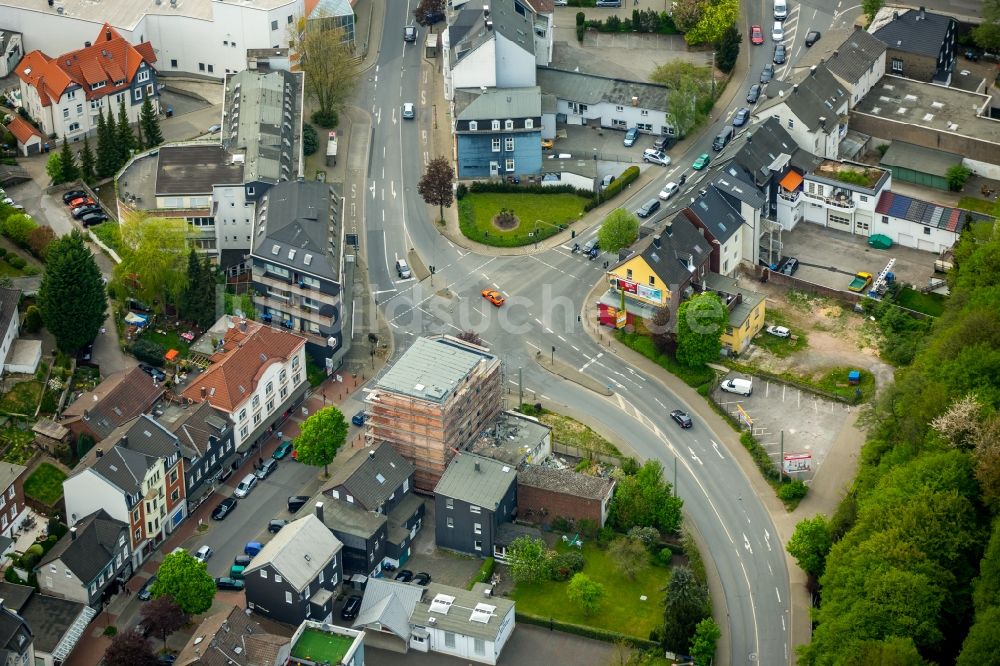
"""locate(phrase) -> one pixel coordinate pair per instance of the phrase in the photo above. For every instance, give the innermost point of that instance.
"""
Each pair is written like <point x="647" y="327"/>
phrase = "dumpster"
<point x="854" y="377"/>
<point x="880" y="242"/>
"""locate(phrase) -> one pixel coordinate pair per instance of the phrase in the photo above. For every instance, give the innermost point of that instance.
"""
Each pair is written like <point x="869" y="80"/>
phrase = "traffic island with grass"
<point x="512" y="219"/>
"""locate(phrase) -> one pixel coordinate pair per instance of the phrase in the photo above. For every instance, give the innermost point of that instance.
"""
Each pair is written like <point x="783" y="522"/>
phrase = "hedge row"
<point x="587" y="632"/>
<point x="485" y="573"/>
<point x="612" y="190"/>
<point x="479" y="186"/>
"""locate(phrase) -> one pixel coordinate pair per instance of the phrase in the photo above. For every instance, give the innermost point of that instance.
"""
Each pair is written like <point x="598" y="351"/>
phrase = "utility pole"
<point x="553" y="360"/>
<point x="781" y="459"/>
<point x="712" y="74"/>
<point x="520" y="387"/>
<point x="675" y="476"/>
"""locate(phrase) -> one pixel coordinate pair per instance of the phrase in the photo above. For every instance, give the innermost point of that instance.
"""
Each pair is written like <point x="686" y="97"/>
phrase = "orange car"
<point x="493" y="296"/>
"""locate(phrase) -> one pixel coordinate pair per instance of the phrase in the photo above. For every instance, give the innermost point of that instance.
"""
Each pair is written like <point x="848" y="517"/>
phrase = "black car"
<point x="351" y="607"/>
<point x="155" y="373"/>
<point x="85" y="209"/>
<point x="242" y="560"/>
<point x="754" y="93"/>
<point x="428" y="17"/>
<point x="422" y="578"/>
<point x="227" y="583"/>
<point x="767" y="73"/>
<point x="780" y="54"/>
<point x="94" y="218"/>
<point x="275" y="525"/>
<point x="224" y="509"/>
<point x="267" y="468"/>
<point x="665" y="143"/>
<point x="73" y="194"/>
<point x="683" y="420"/>
<point x="85" y="356"/>
<point x="296" y="502"/>
<point x="404" y="575"/>
<point x="144" y="591"/>
<point x="790" y="266"/>
<point x="812" y="37"/>
<point x="648" y="208"/>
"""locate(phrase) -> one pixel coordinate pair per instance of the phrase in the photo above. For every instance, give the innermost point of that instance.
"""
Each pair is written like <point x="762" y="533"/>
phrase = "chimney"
<point x="822" y="122"/>
<point x="922" y="15"/>
<point x="123" y="441"/>
<point x="86" y="415"/>
<point x="690" y="265"/>
<point x="489" y="24"/>
<point x="812" y="71"/>
<point x="486" y="11"/>
<point x="836" y="53"/>
<point x="895" y="15"/>
<point x="669" y="228"/>
<point x="635" y="101"/>
<point x="749" y="137"/>
<point x="99" y="453"/>
<point x="107" y="34"/>
<point x="243" y="325"/>
<point x="204" y="391"/>
<point x="795" y="88"/>
<point x="72" y="534"/>
<point x="371" y="454"/>
<point x="86" y="45"/>
<point x="319" y="511"/>
<point x="476" y="465"/>
<point x="656" y="241"/>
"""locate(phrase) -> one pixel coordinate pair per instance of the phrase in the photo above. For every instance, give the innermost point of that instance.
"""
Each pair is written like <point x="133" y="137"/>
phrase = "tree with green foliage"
<point x="154" y="253"/>
<point x="129" y="648"/>
<point x="53" y="167"/>
<point x="186" y="581"/>
<point x="957" y="175"/>
<point x="716" y="18"/>
<point x="197" y="303"/>
<point x="982" y="644"/>
<point x="986" y="35"/>
<point x="38" y="241"/>
<point x="810" y="544"/>
<point x="619" y="229"/>
<point x="310" y="139"/>
<point x="68" y="170"/>
<point x="890" y="652"/>
<point x="125" y="140"/>
<point x="706" y="637"/>
<point x="528" y="560"/>
<point x="701" y="320"/>
<point x="685" y="605"/>
<point x="870" y="8"/>
<point x="727" y="49"/>
<point x="629" y="555"/>
<point x="689" y="90"/>
<point x="321" y="436"/>
<point x="686" y="14"/>
<point x="327" y="58"/>
<point x="32" y="319"/>
<point x="87" y="162"/>
<point x="585" y="593"/>
<point x="645" y="500"/>
<point x="72" y="296"/>
<point x="106" y="150"/>
<point x="18" y="228"/>
<point x="149" y="124"/>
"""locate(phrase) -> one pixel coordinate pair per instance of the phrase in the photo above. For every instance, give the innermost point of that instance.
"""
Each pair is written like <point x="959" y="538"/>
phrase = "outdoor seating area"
<point x="33" y="528"/>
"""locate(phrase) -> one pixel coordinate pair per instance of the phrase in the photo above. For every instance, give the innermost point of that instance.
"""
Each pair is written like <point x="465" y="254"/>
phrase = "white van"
<point x="780" y="10"/>
<point x="739" y="386"/>
<point x="246" y="485"/>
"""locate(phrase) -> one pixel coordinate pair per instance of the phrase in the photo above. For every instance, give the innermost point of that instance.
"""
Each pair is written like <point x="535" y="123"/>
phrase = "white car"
<point x="245" y="486"/>
<point x="669" y="190"/>
<point x="779" y="331"/>
<point x="778" y="32"/>
<point x="409" y="112"/>
<point x="656" y="157"/>
<point x="203" y="554"/>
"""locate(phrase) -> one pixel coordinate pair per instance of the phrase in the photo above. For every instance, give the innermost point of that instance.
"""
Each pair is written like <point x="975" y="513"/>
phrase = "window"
<point x="449" y="503"/>
<point x="201" y="67"/>
<point x="143" y="75"/>
<point x="863" y="197"/>
<point x="791" y="123"/>
<point x="243" y="432"/>
<point x="495" y="125"/>
<point x="173" y="476"/>
<point x="644" y="113"/>
<point x="652" y="280"/>
<point x="508" y="124"/>
<point x="137" y="94"/>
<point x="283" y="392"/>
<point x="255" y="403"/>
<point x="509" y="166"/>
<point x="135" y="516"/>
<point x="71" y="94"/>
<point x="149" y="90"/>
<point x="449" y="639"/>
<point x="138" y="533"/>
<point x="475" y="509"/>
<point x="619" y="108"/>
<point x="74" y="127"/>
<point x="297" y="378"/>
<point x="211" y="68"/>
<point x="295" y="362"/>
<point x="496" y="145"/>
<point x="243" y="414"/>
<point x="927" y="231"/>
<point x="473" y="126"/>
<point x="477" y="544"/>
<point x="270" y="405"/>
<point x="479" y="646"/>
<point x="477" y="528"/>
<point x="274" y="26"/>
<point x="529" y="123"/>
<point x="263" y="573"/>
<point x="628" y="273"/>
<point x="897" y="65"/>
<point x="289" y="20"/>
<point x="283" y="375"/>
<point x="256" y="419"/>
<point x="288" y="597"/>
<point x="277" y="578"/>
<point x="508" y="143"/>
<point x="174" y="496"/>
<point x="225" y="42"/>
<point x="65" y="113"/>
<point x="885" y="219"/>
<point x="79" y="109"/>
<point x="451" y="521"/>
<point x="269" y="389"/>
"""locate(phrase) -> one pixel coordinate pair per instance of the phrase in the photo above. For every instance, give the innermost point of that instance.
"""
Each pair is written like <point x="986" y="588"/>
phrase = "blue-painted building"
<point x="498" y="132"/>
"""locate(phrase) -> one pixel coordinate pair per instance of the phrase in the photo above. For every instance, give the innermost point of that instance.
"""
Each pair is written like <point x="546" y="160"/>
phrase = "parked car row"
<point x="84" y="208"/>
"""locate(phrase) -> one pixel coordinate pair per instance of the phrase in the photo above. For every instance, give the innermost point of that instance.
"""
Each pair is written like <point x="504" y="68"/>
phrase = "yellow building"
<point x="746" y="311"/>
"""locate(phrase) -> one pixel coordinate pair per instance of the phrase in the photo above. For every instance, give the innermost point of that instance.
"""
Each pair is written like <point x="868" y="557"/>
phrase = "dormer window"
<point x="473" y="126"/>
<point x="508" y="124"/>
<point x="98" y="85"/>
<point x="496" y="125"/>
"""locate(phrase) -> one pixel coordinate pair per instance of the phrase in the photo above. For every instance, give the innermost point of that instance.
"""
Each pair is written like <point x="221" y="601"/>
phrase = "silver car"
<point x="656" y="157"/>
<point x="409" y="112"/>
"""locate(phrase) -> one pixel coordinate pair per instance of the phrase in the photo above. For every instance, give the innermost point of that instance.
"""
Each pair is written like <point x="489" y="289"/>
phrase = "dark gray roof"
<point x="498" y="103"/>
<point x="717" y="214"/>
<point x="339" y="516"/>
<point x="918" y="158"/>
<point x="15" y="634"/>
<point x="15" y="596"/>
<point x="145" y="435"/>
<point x="736" y="185"/>
<point x="299" y="552"/>
<point x="469" y="30"/>
<point x="388" y="605"/>
<point x="95" y="545"/>
<point x="9" y="473"/>
<point x="739" y="302"/>
<point x="194" y="169"/>
<point x="855" y="56"/>
<point x="477" y="480"/>
<point x="371" y="475"/>
<point x="50" y="618"/>
<point x="681" y="246"/>
<point x="9" y="300"/>
<point x="593" y="89"/>
<point x="916" y="31"/>
<point x="124" y="468"/>
<point x="565" y="481"/>
<point x="759" y="148"/>
<point x="198" y="425"/>
<point x="298" y="226"/>
<point x="815" y="100"/>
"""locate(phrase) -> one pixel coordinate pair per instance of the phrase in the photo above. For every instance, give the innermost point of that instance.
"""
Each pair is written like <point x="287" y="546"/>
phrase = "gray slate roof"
<point x="50" y="618"/>
<point x="9" y="473"/>
<point x="9" y="300"/>
<point x="464" y="606"/>
<point x="565" y="481"/>
<point x="477" y="480"/>
<point x="124" y="468"/>
<point x="388" y="604"/>
<point x="298" y="552"/>
<point x="194" y="169"/>
<point x="918" y="158"/>
<point x="298" y="226"/>
<point x="855" y="56"/>
<point x="371" y="475"/>
<point x="727" y="289"/>
<point x="679" y="241"/>
<point x="593" y="89"/>
<point x="468" y="30"/>
<point x="735" y="184"/>
<point x="432" y="368"/>
<point x="95" y="545"/>
<point x="146" y="435"/>
<point x="819" y="95"/>
<point x="499" y="103"/>
<point x="345" y="518"/>
<point x="197" y="426"/>
<point x="756" y="150"/>
<point x="915" y="31"/>
<point x="718" y="214"/>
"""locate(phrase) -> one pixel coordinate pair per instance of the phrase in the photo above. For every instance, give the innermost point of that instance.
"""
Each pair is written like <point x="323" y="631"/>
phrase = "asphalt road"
<point x="545" y="294"/>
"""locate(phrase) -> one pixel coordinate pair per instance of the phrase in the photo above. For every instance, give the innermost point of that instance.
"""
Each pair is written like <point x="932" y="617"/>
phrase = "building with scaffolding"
<point x="433" y="402"/>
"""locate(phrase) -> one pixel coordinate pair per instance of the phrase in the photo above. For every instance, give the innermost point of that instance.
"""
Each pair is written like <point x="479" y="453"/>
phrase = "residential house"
<point x="489" y="45"/>
<point x="65" y="94"/>
<point x="30" y="140"/>
<point x="469" y="624"/>
<point x="541" y="15"/>
<point x="498" y="132"/>
<point x="473" y="498"/>
<point x="371" y="509"/>
<point x="910" y="163"/>
<point x="325" y="643"/>
<point x="658" y="274"/>
<point x="855" y="58"/>
<point x="206" y="38"/>
<point x="298" y="264"/>
<point x="115" y="401"/>
<point x="257" y="377"/>
<point x="264" y="128"/>
<point x="588" y="99"/>
<point x="545" y="493"/>
<point x="231" y="637"/>
<point x="434" y="401"/>
<point x="12" y="498"/>
<point x="719" y="220"/>
<point x="295" y="576"/>
<point x="20" y="356"/>
<point x="920" y="44"/>
<point x="813" y="108"/>
<point x="11" y="51"/>
<point x="88" y="564"/>
<point x="836" y="194"/>
<point x="745" y="308"/>
<point x="736" y="186"/>
<point x="16" y="638"/>
<point x="208" y="443"/>
<point x="921" y="224"/>
<point x="56" y="625"/>
<point x="515" y="439"/>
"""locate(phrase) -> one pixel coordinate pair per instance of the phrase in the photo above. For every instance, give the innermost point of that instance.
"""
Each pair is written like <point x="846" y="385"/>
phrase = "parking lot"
<point x="810" y="424"/>
<point x="830" y="258"/>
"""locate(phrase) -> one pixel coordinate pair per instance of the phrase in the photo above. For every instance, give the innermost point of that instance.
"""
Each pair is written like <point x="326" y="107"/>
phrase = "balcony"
<point x="285" y="284"/>
<point x="791" y="197"/>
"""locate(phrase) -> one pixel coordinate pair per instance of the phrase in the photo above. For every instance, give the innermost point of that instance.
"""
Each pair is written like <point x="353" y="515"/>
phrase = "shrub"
<point x="148" y="351"/>
<point x="663" y="557"/>
<point x="560" y="524"/>
<point x="605" y="536"/>
<point x="32" y="318"/>
<point x="38" y="241"/>
<point x="3" y="252"/>
<point x="587" y="528"/>
<point x="612" y="190"/>
<point x="327" y="120"/>
<point x="581" y="18"/>
<point x="562" y="566"/>
<point x="792" y="491"/>
<point x="31" y="556"/>
<point x="17" y="227"/>
<point x="16" y="261"/>
<point x="485" y="573"/>
<point x="110" y="630"/>
<point x="310" y="141"/>
<point x="461" y="191"/>
<point x="581" y="30"/>
<point x="483" y="186"/>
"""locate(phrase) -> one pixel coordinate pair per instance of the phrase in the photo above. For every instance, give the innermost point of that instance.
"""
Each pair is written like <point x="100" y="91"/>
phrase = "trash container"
<point x="170" y="111"/>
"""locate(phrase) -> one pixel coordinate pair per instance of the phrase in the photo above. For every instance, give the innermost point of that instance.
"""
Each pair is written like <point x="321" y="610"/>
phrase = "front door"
<point x="494" y="168"/>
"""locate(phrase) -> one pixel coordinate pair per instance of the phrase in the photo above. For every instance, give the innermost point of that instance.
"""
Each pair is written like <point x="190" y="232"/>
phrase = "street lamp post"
<point x="711" y="72"/>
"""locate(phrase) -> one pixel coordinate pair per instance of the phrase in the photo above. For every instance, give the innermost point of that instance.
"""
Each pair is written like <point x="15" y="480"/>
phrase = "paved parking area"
<point x="829" y="257"/>
<point x="444" y="566"/>
<point x="612" y="157"/>
<point x="810" y="424"/>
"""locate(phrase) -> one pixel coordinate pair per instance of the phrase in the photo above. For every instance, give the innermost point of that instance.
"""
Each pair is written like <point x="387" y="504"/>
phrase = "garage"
<point x="910" y="163"/>
<point x="907" y="240"/>
<point x="927" y="246"/>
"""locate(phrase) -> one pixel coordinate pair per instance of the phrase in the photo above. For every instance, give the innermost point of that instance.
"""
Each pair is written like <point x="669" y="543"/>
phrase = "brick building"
<point x="544" y="493"/>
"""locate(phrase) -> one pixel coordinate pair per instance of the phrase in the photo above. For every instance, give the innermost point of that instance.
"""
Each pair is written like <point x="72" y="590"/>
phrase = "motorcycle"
<point x="576" y="248"/>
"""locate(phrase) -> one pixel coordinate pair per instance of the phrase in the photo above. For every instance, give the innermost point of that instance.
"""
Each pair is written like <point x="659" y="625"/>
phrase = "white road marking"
<point x="587" y="364"/>
<point x="777" y="594"/>
<point x="746" y="543"/>
<point x="561" y="338"/>
<point x="694" y="457"/>
<point x="719" y="453"/>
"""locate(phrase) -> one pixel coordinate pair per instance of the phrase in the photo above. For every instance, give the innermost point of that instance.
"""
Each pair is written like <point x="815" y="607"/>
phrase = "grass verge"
<point x="978" y="205"/>
<point x="694" y="377"/>
<point x="929" y="304"/>
<point x="45" y="484"/>
<point x="541" y="215"/>
<point x="110" y="234"/>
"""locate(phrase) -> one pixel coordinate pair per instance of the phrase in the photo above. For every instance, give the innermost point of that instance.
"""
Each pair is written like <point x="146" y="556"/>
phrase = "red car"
<point x="756" y="35"/>
<point x="80" y="201"/>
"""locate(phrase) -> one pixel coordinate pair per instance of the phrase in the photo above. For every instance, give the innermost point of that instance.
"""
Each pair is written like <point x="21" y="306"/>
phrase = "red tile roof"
<point x="109" y="59"/>
<point x="23" y="130"/>
<point x="234" y="375"/>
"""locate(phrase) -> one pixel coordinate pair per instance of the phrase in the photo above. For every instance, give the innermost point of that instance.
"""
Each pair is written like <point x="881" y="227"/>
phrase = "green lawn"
<point x="19" y="445"/>
<point x="22" y="399"/>
<point x="978" y="205"/>
<point x="932" y="304"/>
<point x="109" y="233"/>
<point x="835" y="381"/>
<point x="168" y="340"/>
<point x="780" y="347"/>
<point x="643" y="344"/>
<point x="45" y="484"/>
<point x="540" y="214"/>
<point x="621" y="611"/>
<point x="320" y="646"/>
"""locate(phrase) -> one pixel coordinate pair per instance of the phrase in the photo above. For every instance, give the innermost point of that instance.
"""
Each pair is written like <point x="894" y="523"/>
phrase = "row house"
<point x="207" y="440"/>
<point x="11" y="497"/>
<point x="117" y="400"/>
<point x="475" y="496"/>
<point x="812" y="108"/>
<point x="498" y="132"/>
<point x="65" y="93"/>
